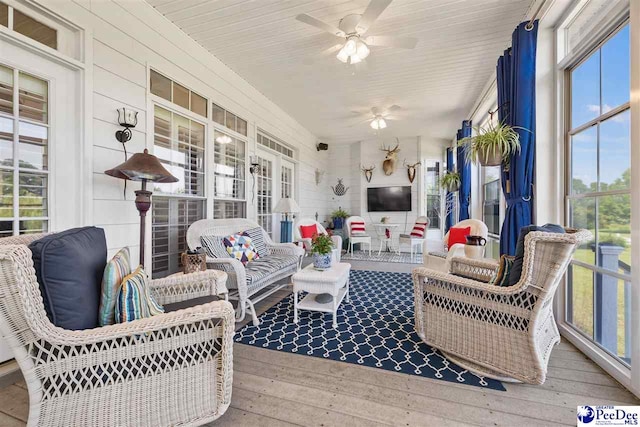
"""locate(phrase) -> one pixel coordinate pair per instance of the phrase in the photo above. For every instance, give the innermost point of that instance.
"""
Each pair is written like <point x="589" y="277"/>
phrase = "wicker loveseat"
<point x="170" y="369"/>
<point x="259" y="278"/>
<point x="500" y="332"/>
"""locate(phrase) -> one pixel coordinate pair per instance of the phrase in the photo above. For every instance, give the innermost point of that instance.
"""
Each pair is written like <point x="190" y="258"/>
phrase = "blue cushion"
<point x="516" y="269"/>
<point x="69" y="267"/>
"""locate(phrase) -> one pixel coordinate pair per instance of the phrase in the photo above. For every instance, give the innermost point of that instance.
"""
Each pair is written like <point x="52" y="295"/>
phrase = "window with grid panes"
<point x="274" y="145"/>
<point x="179" y="145"/>
<point x="229" y="176"/>
<point x="24" y="135"/>
<point x="28" y="26"/>
<point x="228" y="120"/>
<point x="166" y="88"/>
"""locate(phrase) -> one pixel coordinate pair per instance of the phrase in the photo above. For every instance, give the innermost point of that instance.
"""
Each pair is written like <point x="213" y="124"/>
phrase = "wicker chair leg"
<point x="241" y="311"/>
<point x="254" y="316"/>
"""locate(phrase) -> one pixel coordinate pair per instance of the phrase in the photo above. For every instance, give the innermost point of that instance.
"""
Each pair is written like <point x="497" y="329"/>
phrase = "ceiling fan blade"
<point x="394" y="107"/>
<point x="390" y="41"/>
<point x="375" y="9"/>
<point x="332" y="49"/>
<point x="310" y="20"/>
<point x="359" y="122"/>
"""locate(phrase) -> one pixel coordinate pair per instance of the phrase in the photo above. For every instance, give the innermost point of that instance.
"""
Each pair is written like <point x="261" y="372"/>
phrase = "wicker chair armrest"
<point x="425" y="275"/>
<point x="478" y="269"/>
<point x="234" y="268"/>
<point x="307" y="242"/>
<point x="214" y="310"/>
<point x="285" y="249"/>
<point x="189" y="286"/>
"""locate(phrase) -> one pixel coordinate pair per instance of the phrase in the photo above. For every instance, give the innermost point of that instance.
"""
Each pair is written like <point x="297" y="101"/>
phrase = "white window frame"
<point x="629" y="377"/>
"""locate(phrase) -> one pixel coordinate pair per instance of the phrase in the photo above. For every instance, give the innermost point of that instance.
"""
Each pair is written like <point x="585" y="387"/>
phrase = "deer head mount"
<point x="411" y="170"/>
<point x="389" y="164"/>
<point x="368" y="172"/>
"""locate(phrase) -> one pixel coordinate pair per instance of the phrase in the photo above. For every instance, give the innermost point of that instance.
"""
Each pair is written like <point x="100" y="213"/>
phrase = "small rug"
<point x="403" y="257"/>
<point x="375" y="328"/>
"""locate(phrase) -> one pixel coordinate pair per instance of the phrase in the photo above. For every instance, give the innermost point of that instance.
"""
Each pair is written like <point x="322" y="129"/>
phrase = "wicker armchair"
<point x="170" y="369"/>
<point x="500" y="332"/>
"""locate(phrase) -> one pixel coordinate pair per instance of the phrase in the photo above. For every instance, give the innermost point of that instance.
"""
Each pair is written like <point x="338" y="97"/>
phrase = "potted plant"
<point x="321" y="248"/>
<point x="493" y="144"/>
<point x="338" y="217"/>
<point x="450" y="181"/>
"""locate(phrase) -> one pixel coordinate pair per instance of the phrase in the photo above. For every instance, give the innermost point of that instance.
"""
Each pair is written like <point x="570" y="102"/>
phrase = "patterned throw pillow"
<point x="501" y="277"/>
<point x="419" y="229"/>
<point x="257" y="238"/>
<point x="241" y="248"/>
<point x="114" y="273"/>
<point x="358" y="227"/>
<point x="214" y="246"/>
<point x="135" y="300"/>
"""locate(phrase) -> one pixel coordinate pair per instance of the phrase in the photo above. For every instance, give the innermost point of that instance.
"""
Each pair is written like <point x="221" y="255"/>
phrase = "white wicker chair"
<point x="500" y="332"/>
<point x="171" y="369"/>
<point x="440" y="259"/>
<point x="354" y="239"/>
<point x="237" y="283"/>
<point x="412" y="241"/>
<point x="297" y="236"/>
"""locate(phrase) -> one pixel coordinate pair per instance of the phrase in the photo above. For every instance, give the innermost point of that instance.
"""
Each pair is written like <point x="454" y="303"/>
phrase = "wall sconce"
<point x="253" y="161"/>
<point x="127" y="119"/>
<point x="319" y="175"/>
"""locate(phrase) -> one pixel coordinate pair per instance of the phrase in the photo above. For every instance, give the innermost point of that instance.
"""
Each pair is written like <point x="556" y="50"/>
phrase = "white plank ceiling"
<point x="435" y="84"/>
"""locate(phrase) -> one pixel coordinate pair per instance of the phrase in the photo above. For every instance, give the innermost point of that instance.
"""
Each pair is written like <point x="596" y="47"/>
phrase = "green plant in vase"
<point x="338" y="216"/>
<point x="321" y="248"/>
<point x="493" y="144"/>
<point x="450" y="181"/>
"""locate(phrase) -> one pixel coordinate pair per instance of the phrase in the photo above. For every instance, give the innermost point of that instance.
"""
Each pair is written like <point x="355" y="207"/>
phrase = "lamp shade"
<point x="286" y="205"/>
<point x="142" y="166"/>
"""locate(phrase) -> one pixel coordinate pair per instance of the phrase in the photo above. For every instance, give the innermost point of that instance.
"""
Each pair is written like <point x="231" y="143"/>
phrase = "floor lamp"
<point x="142" y="167"/>
<point x="286" y="206"/>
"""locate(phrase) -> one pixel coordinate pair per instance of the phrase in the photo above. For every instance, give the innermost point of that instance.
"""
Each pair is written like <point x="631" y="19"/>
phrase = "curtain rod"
<point x="535" y="16"/>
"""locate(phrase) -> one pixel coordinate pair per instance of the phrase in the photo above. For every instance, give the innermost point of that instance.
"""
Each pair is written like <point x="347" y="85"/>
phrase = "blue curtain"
<point x="449" y="220"/>
<point x="464" y="169"/>
<point x="516" y="74"/>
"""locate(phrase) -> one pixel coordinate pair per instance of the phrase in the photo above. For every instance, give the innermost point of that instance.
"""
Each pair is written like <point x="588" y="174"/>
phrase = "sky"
<point x="600" y="84"/>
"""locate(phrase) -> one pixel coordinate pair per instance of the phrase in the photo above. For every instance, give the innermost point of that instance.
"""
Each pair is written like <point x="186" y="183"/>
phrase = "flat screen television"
<point x="389" y="199"/>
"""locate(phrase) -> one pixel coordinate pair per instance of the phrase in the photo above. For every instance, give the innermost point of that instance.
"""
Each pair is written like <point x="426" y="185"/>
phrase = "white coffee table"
<point x="334" y="281"/>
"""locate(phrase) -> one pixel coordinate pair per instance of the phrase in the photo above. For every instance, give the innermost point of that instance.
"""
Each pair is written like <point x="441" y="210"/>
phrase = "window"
<point x="178" y="94"/>
<point x="179" y="144"/>
<point x="599" y="196"/>
<point x="265" y="194"/>
<point x="274" y="145"/>
<point x="433" y="193"/>
<point x="24" y="164"/>
<point x="286" y="181"/>
<point x="229" y="120"/>
<point x="491" y="191"/>
<point x="27" y="26"/>
<point x="229" y="176"/>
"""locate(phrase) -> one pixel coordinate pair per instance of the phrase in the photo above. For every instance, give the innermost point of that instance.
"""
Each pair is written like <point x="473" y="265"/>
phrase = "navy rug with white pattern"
<point x="375" y="328"/>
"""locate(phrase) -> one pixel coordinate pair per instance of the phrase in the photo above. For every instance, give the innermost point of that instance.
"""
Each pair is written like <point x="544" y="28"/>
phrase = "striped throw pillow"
<point x="501" y="277"/>
<point x="116" y="270"/>
<point x="134" y="299"/>
<point x="358" y="227"/>
<point x="214" y="247"/>
<point x="419" y="229"/>
<point x="257" y="238"/>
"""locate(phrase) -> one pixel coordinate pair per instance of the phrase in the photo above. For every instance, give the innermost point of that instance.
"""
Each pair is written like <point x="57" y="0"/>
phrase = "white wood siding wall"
<point x="124" y="38"/>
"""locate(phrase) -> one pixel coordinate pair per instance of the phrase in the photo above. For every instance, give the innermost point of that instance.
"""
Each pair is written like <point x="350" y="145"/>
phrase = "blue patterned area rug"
<point x="403" y="257"/>
<point x="375" y="328"/>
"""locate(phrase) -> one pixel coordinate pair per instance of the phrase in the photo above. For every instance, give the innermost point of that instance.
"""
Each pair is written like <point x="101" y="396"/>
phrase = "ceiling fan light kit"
<point x="378" y="123"/>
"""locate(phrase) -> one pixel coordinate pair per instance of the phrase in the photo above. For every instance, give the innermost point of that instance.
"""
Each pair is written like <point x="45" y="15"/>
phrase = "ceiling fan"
<point x="353" y="27"/>
<point x="378" y="119"/>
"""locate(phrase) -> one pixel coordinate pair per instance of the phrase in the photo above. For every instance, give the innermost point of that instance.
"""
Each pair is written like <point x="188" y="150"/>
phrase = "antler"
<point x="396" y="148"/>
<point x="370" y="168"/>
<point x="384" y="148"/>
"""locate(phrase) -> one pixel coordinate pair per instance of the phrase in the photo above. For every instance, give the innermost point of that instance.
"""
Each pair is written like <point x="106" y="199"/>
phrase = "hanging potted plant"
<point x="321" y="248"/>
<point x="450" y="182"/>
<point x="338" y="216"/>
<point x="493" y="145"/>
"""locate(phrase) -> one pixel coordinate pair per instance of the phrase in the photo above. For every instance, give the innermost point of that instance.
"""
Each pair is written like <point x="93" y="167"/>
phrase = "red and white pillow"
<point x="358" y="228"/>
<point x="419" y="229"/>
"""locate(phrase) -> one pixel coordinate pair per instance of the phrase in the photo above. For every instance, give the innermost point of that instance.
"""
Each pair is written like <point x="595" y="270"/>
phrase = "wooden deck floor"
<point x="272" y="388"/>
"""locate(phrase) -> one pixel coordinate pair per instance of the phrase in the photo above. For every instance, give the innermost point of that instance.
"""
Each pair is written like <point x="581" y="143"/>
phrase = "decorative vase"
<point x="322" y="261"/>
<point x="474" y="248"/>
<point x="490" y="159"/>
<point x="338" y="223"/>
